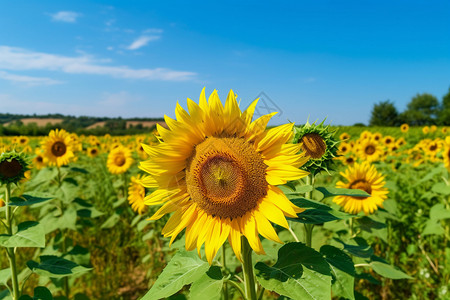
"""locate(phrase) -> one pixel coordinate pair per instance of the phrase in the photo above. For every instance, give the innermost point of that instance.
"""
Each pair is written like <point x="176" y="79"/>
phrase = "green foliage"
<point x="55" y="267"/>
<point x="384" y="113"/>
<point x="422" y="110"/>
<point x="29" y="234"/>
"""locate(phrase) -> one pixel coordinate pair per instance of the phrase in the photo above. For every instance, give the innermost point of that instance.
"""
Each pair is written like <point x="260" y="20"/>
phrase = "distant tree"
<point x="444" y="115"/>
<point x="384" y="113"/>
<point x="422" y="110"/>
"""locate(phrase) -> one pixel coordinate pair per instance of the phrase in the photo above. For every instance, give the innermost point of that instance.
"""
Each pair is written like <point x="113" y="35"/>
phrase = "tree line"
<point x="423" y="109"/>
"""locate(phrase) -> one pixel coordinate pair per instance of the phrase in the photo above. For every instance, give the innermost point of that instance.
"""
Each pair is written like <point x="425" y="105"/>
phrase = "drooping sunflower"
<point x="136" y="194"/>
<point x="318" y="142"/>
<point x="364" y="177"/>
<point x="58" y="148"/>
<point x="369" y="150"/>
<point x="217" y="170"/>
<point x="404" y="128"/>
<point x="119" y="160"/>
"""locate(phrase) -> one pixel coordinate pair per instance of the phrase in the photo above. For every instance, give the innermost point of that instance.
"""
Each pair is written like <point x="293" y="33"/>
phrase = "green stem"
<point x="308" y="234"/>
<point x="224" y="265"/>
<point x="10" y="251"/>
<point x="237" y="286"/>
<point x="261" y="294"/>
<point x="247" y="268"/>
<point x="351" y="227"/>
<point x="63" y="236"/>
<point x="293" y="234"/>
<point x="125" y="186"/>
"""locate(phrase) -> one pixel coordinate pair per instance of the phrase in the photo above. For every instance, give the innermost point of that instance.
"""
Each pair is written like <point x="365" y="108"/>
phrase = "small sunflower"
<point x="344" y="148"/>
<point x="318" y="142"/>
<point x="58" y="148"/>
<point x="369" y="150"/>
<point x="217" y="170"/>
<point x="377" y="136"/>
<point x="92" y="151"/>
<point x="404" y="128"/>
<point x="344" y="136"/>
<point x="136" y="194"/>
<point x="13" y="166"/>
<point x="119" y="160"/>
<point x="444" y="130"/>
<point x="389" y="141"/>
<point x="39" y="161"/>
<point x="426" y="130"/>
<point x="433" y="128"/>
<point x="362" y="177"/>
<point x="400" y="142"/>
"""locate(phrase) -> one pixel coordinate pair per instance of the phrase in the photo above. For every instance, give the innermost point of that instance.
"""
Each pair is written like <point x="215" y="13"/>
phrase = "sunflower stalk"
<point x="63" y="237"/>
<point x="310" y="179"/>
<point x="224" y="265"/>
<point x="11" y="251"/>
<point x="247" y="268"/>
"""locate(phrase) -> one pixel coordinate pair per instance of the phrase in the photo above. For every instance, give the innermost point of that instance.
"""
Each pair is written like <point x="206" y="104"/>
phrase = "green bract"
<point x="13" y="166"/>
<point x="319" y="143"/>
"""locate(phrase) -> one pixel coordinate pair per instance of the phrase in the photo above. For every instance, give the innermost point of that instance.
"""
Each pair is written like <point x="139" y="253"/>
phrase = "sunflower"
<point x="136" y="194"/>
<point x="369" y="150"/>
<point x="388" y="141"/>
<point x="433" y="128"/>
<point x="119" y="160"/>
<point x="444" y="130"/>
<point x="400" y="142"/>
<point x="344" y="148"/>
<point x="446" y="155"/>
<point x="13" y="167"/>
<point x="58" y="148"/>
<point x="377" y="136"/>
<point x="218" y="171"/>
<point x="404" y="128"/>
<point x="362" y="177"/>
<point x="92" y="151"/>
<point x="426" y="130"/>
<point x="344" y="136"/>
<point x="39" y="161"/>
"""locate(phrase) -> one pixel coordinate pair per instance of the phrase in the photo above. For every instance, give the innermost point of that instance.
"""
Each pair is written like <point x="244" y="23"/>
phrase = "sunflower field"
<point x="218" y="205"/>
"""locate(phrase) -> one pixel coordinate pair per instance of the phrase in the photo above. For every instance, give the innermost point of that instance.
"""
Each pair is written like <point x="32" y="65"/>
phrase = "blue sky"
<point x="331" y="59"/>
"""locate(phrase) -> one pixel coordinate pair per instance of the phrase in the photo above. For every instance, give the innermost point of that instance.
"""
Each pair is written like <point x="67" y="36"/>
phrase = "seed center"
<point x="119" y="160"/>
<point x="361" y="184"/>
<point x="59" y="149"/>
<point x="11" y="168"/>
<point x="313" y="145"/>
<point x="370" y="150"/>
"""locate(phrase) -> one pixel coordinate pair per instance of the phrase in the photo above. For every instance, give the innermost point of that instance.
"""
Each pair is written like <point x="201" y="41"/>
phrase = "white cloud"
<point x="21" y="59"/>
<point x="65" y="16"/>
<point x="28" y="80"/>
<point x="143" y="41"/>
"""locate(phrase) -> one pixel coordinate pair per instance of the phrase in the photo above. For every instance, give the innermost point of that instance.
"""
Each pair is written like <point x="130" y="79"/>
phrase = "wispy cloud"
<point x="65" y="16"/>
<point x="143" y="41"/>
<point x="28" y="80"/>
<point x="12" y="58"/>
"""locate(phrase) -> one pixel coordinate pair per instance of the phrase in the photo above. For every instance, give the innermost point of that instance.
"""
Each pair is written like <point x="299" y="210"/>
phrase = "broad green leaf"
<point x="433" y="227"/>
<point x="441" y="188"/>
<point x="439" y="212"/>
<point x="332" y="192"/>
<point x="388" y="271"/>
<point x="367" y="224"/>
<point x="40" y="293"/>
<point x="316" y="212"/>
<point x="342" y="270"/>
<point x="27" y="200"/>
<point x="208" y="286"/>
<point x="300" y="273"/>
<point x="79" y="170"/>
<point x="361" y="249"/>
<point x="5" y="274"/>
<point x="29" y="234"/>
<point x="55" y="267"/>
<point x="184" y="268"/>
<point x="295" y="188"/>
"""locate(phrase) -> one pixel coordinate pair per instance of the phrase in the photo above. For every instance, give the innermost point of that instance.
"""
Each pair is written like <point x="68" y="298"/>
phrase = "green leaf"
<point x="79" y="170"/>
<point x="5" y="274"/>
<point x="184" y="268"/>
<point x="433" y="227"/>
<point x="29" y="234"/>
<point x="439" y="212"/>
<point x="332" y="192"/>
<point x="441" y="188"/>
<point x="208" y="286"/>
<point x="388" y="271"/>
<point x="111" y="221"/>
<point x="316" y="212"/>
<point x="367" y="224"/>
<point x="342" y="270"/>
<point x="300" y="273"/>
<point x="361" y="249"/>
<point x="40" y="293"/>
<point x="55" y="267"/>
<point x="71" y="181"/>
<point x="27" y="200"/>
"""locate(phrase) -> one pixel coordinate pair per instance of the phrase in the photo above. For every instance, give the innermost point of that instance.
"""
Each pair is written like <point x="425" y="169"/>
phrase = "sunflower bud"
<point x="13" y="166"/>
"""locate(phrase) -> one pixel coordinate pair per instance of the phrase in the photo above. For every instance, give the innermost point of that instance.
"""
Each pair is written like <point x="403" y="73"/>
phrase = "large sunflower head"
<point x="217" y="170"/>
<point x="362" y="177"/>
<point x="136" y="194"/>
<point x="13" y="166"/>
<point x="119" y="160"/>
<point x="318" y="142"/>
<point x="58" y="148"/>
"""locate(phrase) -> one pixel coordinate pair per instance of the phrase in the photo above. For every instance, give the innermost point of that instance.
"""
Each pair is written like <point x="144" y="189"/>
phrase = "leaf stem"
<point x="293" y="234"/>
<point x="247" y="268"/>
<point x="224" y="265"/>
<point x="237" y="286"/>
<point x="10" y="251"/>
